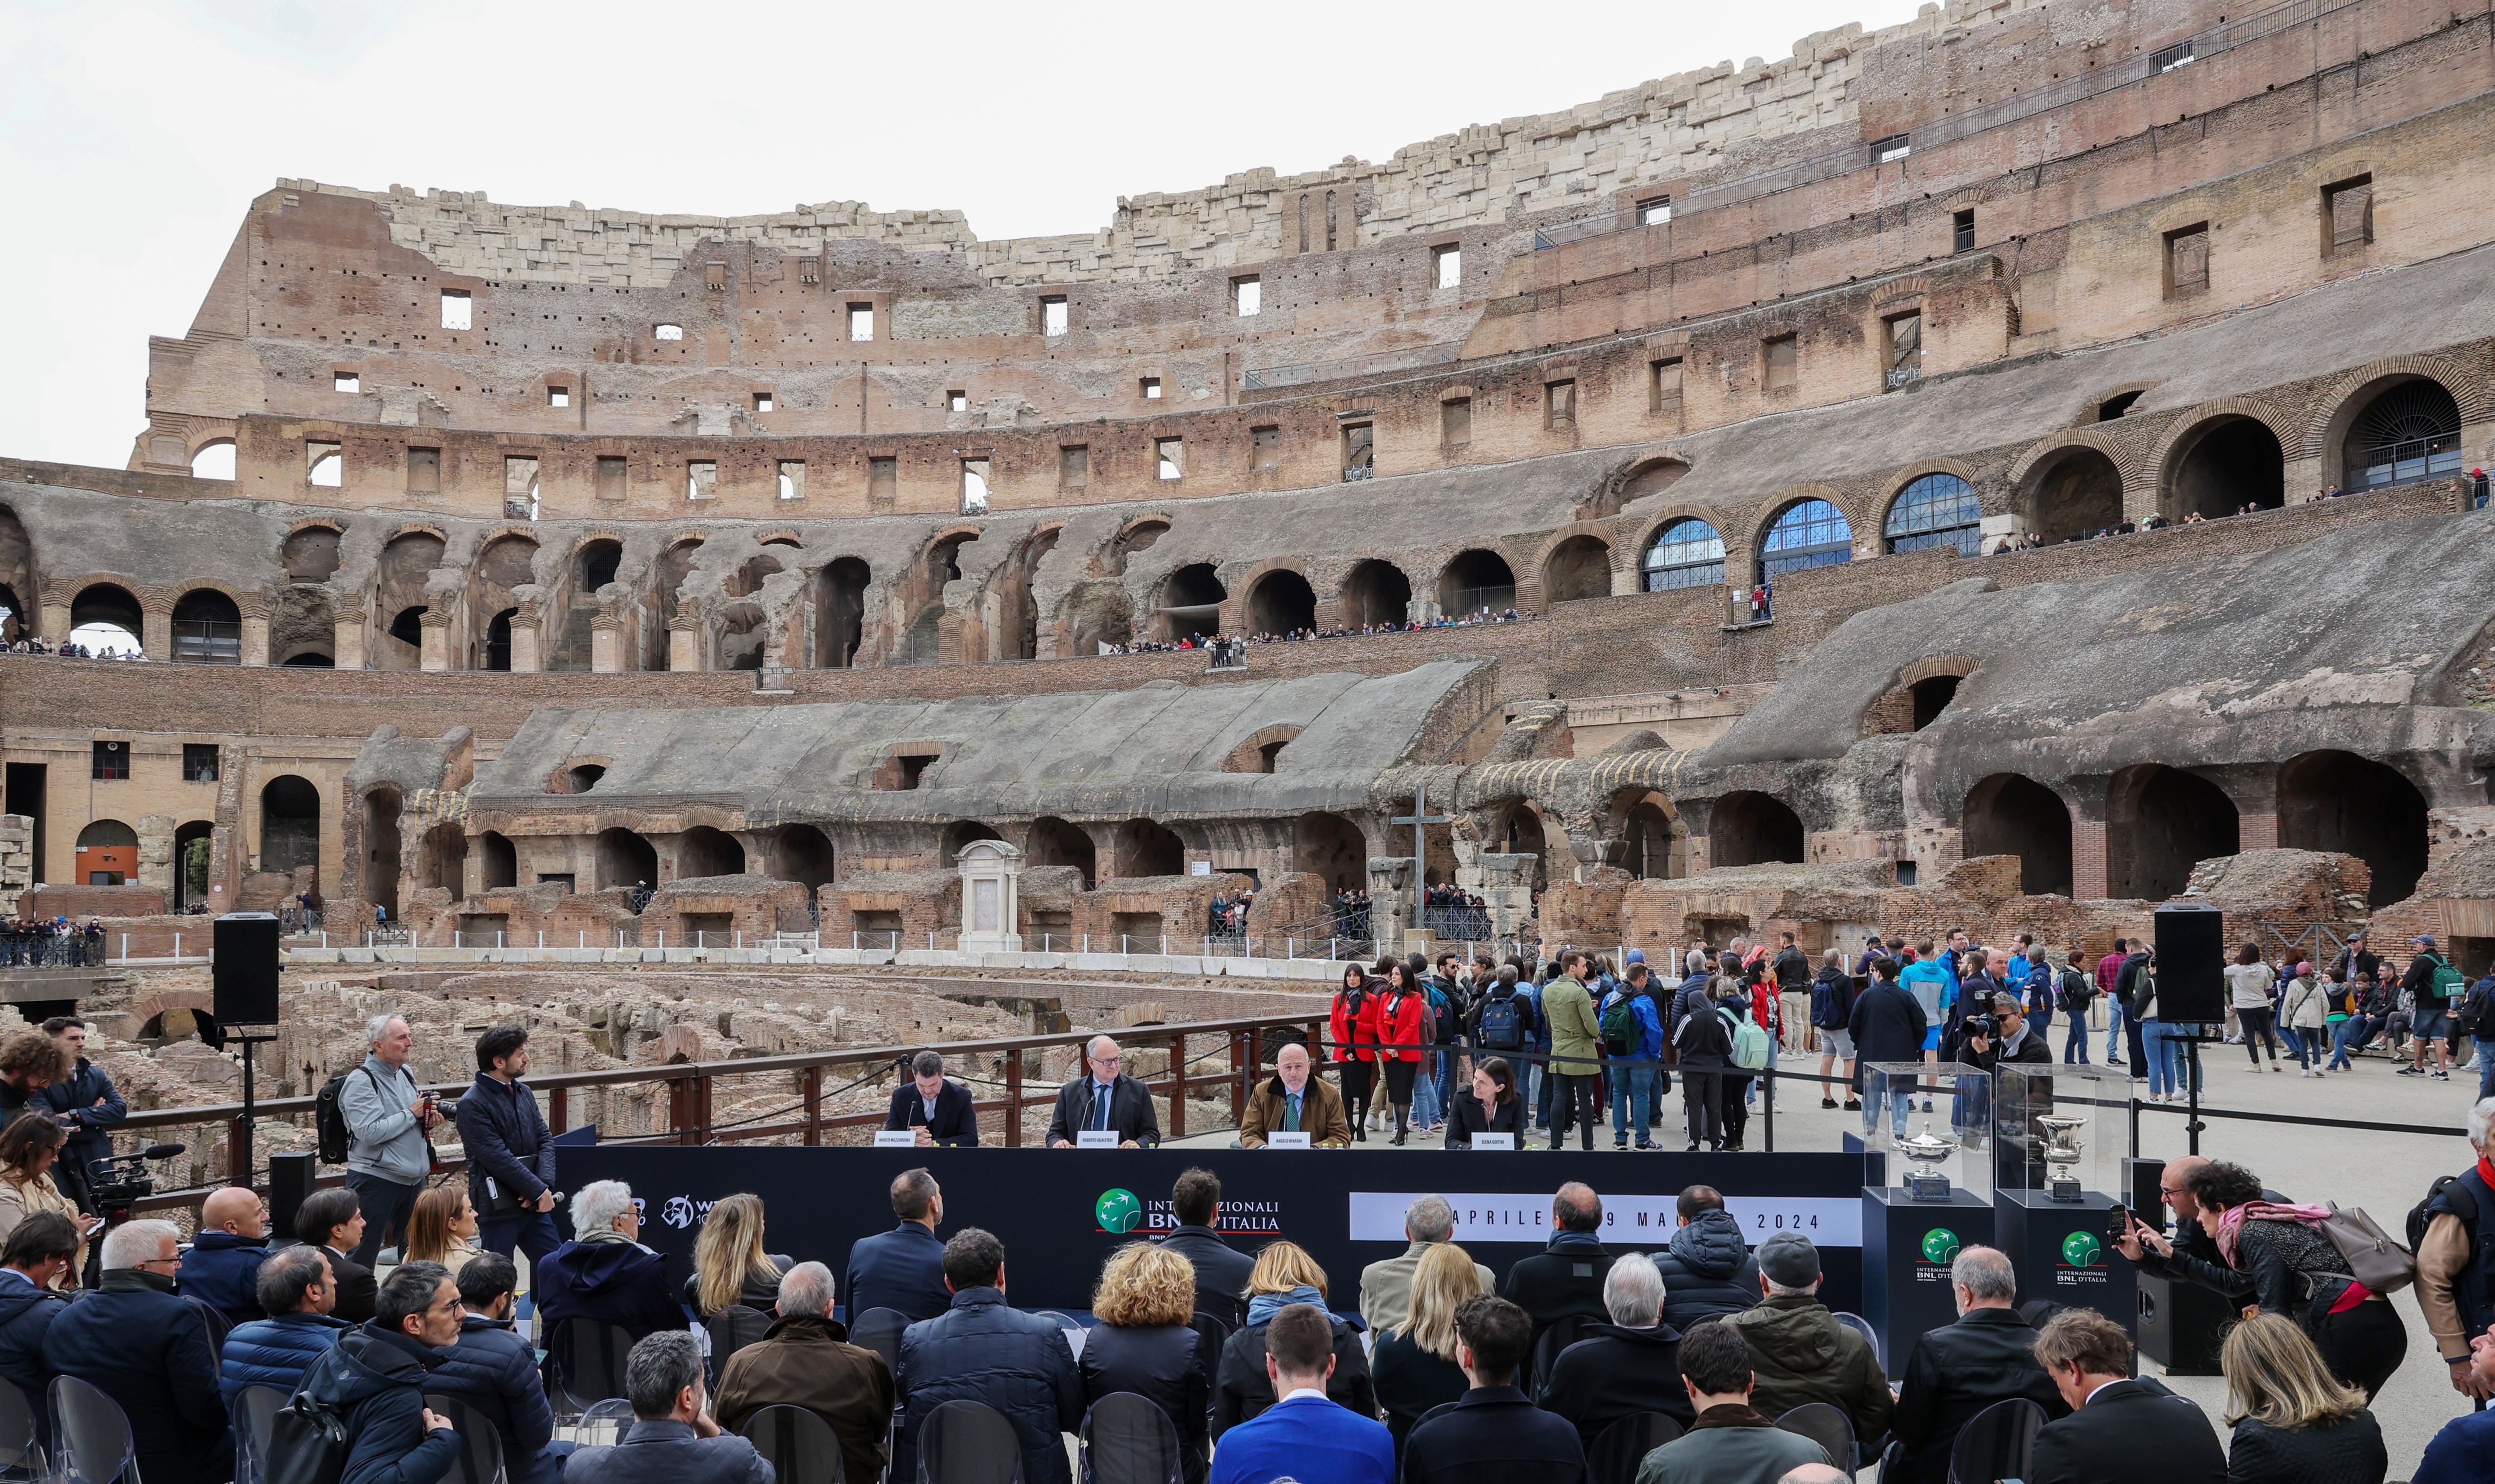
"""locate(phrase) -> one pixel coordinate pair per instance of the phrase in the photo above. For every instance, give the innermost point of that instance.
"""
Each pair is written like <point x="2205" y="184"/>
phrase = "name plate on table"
<point x="1299" y="1140"/>
<point x="896" y="1139"/>
<point x="1493" y="1140"/>
<point x="1096" y="1138"/>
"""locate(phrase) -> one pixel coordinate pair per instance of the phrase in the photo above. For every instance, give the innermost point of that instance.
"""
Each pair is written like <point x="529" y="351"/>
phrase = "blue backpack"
<point x="1502" y="1028"/>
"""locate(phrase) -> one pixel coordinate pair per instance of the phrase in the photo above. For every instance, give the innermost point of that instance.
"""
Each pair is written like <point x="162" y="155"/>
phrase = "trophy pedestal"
<point x="1907" y="1245"/>
<point x="2060" y="1251"/>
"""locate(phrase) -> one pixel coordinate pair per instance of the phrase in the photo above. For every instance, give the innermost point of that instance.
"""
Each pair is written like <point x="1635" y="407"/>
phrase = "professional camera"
<point x="119" y="1180"/>
<point x="1987" y="1026"/>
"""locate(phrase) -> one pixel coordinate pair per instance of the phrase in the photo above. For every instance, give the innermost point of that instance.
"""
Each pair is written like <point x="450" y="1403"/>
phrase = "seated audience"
<point x="1144" y="1344"/>
<point x="1221" y="1269"/>
<point x="1293" y="1102"/>
<point x="2464" y="1451"/>
<point x="1731" y="1442"/>
<point x="1414" y="1366"/>
<point x="443" y="1230"/>
<point x="29" y="1148"/>
<point x="1958" y="1370"/>
<point x="982" y="1350"/>
<point x="493" y="1370"/>
<point x="806" y="1360"/>
<point x="296" y="1293"/>
<point x="1708" y="1271"/>
<point x="1799" y="1352"/>
<point x="2294" y="1422"/>
<point x="1242" y="1388"/>
<point x="1565" y="1279"/>
<point x="1488" y="1104"/>
<point x="1628" y="1366"/>
<point x="903" y="1269"/>
<point x="1494" y="1430"/>
<point x="375" y="1378"/>
<point x="222" y="1268"/>
<point x="604" y="1273"/>
<point x="729" y="1265"/>
<point x="2120" y="1430"/>
<point x="1307" y="1435"/>
<point x="672" y="1439"/>
<point x="30" y="1259"/>
<point x="939" y="1109"/>
<point x="1104" y="1100"/>
<point x="333" y="1220"/>
<point x="150" y="1350"/>
<point x="1385" y="1285"/>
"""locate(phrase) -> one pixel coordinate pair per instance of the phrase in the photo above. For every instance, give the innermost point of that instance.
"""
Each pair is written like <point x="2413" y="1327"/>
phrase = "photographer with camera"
<point x="510" y="1152"/>
<point x="2002" y="1035"/>
<point x="387" y="1155"/>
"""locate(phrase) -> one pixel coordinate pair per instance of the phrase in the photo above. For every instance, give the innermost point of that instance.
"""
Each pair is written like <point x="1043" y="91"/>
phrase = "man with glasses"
<point x="138" y="1343"/>
<point x="2192" y="1257"/>
<point x="1104" y="1100"/>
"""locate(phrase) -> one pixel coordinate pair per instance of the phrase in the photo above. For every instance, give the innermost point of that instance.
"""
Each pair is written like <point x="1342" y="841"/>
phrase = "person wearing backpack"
<point x="1503" y="1022"/>
<point x="1633" y="1042"/>
<point x="1754" y="1046"/>
<point x="2072" y="994"/>
<point x="2431" y="983"/>
<point x="372" y="1381"/>
<point x="1831" y="1012"/>
<point x="2303" y="1009"/>
<point x="387" y="1115"/>
<point x="2453" y="1232"/>
<point x="2298" y="1270"/>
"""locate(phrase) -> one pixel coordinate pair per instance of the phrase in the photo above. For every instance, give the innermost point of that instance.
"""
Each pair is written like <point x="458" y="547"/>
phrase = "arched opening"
<point x="383" y="849"/>
<point x="2072" y="494"/>
<point x="106" y="619"/>
<point x="310" y="660"/>
<point x="1331" y="848"/>
<point x="675" y="565"/>
<point x="2409" y="431"/>
<point x="500" y="864"/>
<point x="108" y="854"/>
<point x="1688" y="553"/>
<point x="751" y="576"/>
<point x="1280" y="603"/>
<point x="1097" y="615"/>
<point x="1146" y="849"/>
<point x="1055" y="841"/>
<point x="443" y="860"/>
<point x="290" y="825"/>
<point x="959" y="836"/>
<point x="1580" y="567"/>
<point x="743" y="633"/>
<point x="578" y="778"/>
<point x="2338" y="800"/>
<point x="1652" y="847"/>
<point x="176" y="1023"/>
<point x="498" y="640"/>
<point x="1649" y="479"/>
<point x="207" y="628"/>
<point x="2222" y="466"/>
<point x="1932" y="696"/>
<point x="2011" y="815"/>
<point x="304" y="626"/>
<point x="1807" y="534"/>
<point x="13" y="616"/>
<point x="507" y="564"/>
<point x="625" y="860"/>
<point x="1935" y="510"/>
<point x="1018" y="598"/>
<point x="840" y="611"/>
<point x="2112" y="408"/>
<point x="2163" y="821"/>
<point x="194" y="852"/>
<point x="1476" y="582"/>
<point x="1747" y="828"/>
<point x="310" y="554"/>
<point x="1190" y="606"/>
<point x="1138" y="537"/>
<point x="804" y="855"/>
<point x="592" y="566"/>
<point x="399" y="599"/>
<point x="702" y="851"/>
<point x="1376" y="594"/>
<point x="1519" y="830"/>
<point x="215" y="460"/>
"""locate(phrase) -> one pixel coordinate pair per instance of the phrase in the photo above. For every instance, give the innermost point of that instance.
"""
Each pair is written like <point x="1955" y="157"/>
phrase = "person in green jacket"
<point x="1576" y="1049"/>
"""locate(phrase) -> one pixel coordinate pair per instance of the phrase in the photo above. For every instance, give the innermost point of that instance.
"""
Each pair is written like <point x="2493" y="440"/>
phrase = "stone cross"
<point x="1417" y="819"/>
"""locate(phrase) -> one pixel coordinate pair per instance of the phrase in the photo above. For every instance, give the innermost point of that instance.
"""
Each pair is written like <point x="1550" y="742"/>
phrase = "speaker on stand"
<point x="243" y="970"/>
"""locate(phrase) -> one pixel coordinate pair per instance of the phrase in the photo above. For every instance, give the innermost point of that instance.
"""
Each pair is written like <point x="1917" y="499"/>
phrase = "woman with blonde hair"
<point x="443" y="1230"/>
<point x="1284" y="1275"/>
<point x="28" y="1146"/>
<point x="2294" y="1423"/>
<point x="729" y="1265"/>
<point x="1146" y="1342"/>
<point x="1415" y="1367"/>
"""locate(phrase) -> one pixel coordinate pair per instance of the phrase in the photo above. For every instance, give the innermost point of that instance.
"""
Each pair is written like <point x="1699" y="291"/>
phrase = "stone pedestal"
<point x="991" y="906"/>
<point x="1391" y="880"/>
<point x="1506" y="889"/>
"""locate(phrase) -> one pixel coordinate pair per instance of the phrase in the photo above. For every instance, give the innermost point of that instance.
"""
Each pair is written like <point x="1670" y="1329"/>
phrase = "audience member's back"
<point x="1708" y="1270"/>
<point x="494" y="1372"/>
<point x="295" y="1289"/>
<point x="150" y="1351"/>
<point x="982" y="1350"/>
<point x="1493" y="1433"/>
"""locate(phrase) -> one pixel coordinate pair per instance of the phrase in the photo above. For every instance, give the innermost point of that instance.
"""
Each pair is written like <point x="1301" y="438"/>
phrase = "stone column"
<point x="607" y="645"/>
<point x="528" y="628"/>
<point x="1390" y="897"/>
<point x="156" y="854"/>
<point x="255" y="629"/>
<point x="347" y="639"/>
<point x="156" y="626"/>
<point x="435" y="628"/>
<point x="56" y="622"/>
<point x="1506" y="889"/>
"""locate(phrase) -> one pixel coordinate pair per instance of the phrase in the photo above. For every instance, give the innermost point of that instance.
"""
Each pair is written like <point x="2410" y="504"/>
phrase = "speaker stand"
<point x="241" y="1159"/>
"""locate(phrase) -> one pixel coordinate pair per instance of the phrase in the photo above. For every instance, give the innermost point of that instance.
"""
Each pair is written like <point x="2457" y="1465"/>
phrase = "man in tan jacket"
<point x="2455" y="1283"/>
<point x="807" y="1361"/>
<point x="1294" y="1102"/>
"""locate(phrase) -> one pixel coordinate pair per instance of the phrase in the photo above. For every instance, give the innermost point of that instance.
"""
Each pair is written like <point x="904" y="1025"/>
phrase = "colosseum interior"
<point x="2097" y="388"/>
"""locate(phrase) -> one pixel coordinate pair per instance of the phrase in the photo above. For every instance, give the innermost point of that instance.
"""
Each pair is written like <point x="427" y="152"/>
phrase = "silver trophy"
<point x="2063" y="1151"/>
<point x="1926" y="1151"/>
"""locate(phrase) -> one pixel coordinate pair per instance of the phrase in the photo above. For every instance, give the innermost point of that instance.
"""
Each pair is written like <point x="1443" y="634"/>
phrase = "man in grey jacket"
<point x="387" y="1155"/>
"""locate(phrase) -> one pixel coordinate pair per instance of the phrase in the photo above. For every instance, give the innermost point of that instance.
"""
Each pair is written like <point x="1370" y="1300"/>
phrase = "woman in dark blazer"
<point x="954" y="1124"/>
<point x="1490" y="1105"/>
<point x="1145" y="1344"/>
<point x="2294" y="1422"/>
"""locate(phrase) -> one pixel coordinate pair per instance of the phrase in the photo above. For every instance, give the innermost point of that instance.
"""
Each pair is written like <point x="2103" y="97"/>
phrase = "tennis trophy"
<point x="2062" y="1152"/>
<point x="1926" y="1151"/>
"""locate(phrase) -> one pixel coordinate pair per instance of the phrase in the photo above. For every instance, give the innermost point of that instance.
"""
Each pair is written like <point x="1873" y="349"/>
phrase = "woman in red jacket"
<point x="1403" y="1022"/>
<point x="1355" y="1044"/>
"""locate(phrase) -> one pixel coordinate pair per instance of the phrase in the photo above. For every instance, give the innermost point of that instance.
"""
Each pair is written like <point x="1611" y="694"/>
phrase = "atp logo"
<point x="1940" y="1245"/>
<point x="1117" y="1211"/>
<point x="2082" y="1249"/>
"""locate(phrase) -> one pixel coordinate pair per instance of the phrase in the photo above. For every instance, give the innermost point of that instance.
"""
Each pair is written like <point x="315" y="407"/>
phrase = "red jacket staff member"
<point x="1401" y="1024"/>
<point x="1357" y="1007"/>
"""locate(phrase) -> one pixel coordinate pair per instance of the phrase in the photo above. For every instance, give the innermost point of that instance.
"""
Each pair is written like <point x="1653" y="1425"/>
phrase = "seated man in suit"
<point x="2121" y="1431"/>
<point x="938" y="1109"/>
<point x="1958" y="1370"/>
<point x="1295" y="1102"/>
<point x="333" y="1219"/>
<point x="1104" y="1100"/>
<point x="904" y="1269"/>
<point x="1221" y="1269"/>
<point x="1305" y="1435"/>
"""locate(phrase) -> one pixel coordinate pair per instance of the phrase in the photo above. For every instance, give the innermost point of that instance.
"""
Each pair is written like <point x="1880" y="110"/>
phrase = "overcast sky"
<point x="135" y="132"/>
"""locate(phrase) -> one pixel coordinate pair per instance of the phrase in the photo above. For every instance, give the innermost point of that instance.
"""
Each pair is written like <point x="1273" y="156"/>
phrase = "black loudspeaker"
<point x="245" y="969"/>
<point x="2191" y="963"/>
<point x="291" y="1178"/>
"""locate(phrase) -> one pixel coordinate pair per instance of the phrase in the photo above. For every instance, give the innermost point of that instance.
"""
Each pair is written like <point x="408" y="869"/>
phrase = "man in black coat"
<point x="983" y="1350"/>
<point x="334" y="1219"/>
<point x="375" y="1378"/>
<point x="148" y="1350"/>
<point x="88" y="1104"/>
<point x="1494" y="1430"/>
<point x="1888" y="1026"/>
<point x="2119" y="1431"/>
<point x="939" y="1109"/>
<point x="1708" y="1270"/>
<point x="38" y="1251"/>
<point x="1220" y="1270"/>
<point x="1628" y="1366"/>
<point x="1104" y="1100"/>
<point x="1958" y="1370"/>
<point x="510" y="1151"/>
<point x="903" y="1269"/>
<point x="1565" y="1280"/>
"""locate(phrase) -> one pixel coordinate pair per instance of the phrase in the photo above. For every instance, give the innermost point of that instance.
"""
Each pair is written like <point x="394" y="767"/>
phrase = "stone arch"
<point x="1886" y="507"/>
<point x="500" y="860"/>
<point x="310" y="551"/>
<point x="107" y="854"/>
<point x="385" y="848"/>
<point x="1136" y="536"/>
<point x="2011" y="814"/>
<point x="18" y="587"/>
<point x="625" y="858"/>
<point x="1653" y="841"/>
<point x="207" y="623"/>
<point x="840" y="611"/>
<point x="665" y="597"/>
<point x="213" y="459"/>
<point x="1522" y="826"/>
<point x="1145" y="847"/>
<point x="194" y="862"/>
<point x="2092" y="408"/>
<point x="1575" y="563"/>
<point x="2160" y="822"/>
<point x="442" y="857"/>
<point x="705" y="851"/>
<point x="805" y="856"/>
<point x="2073" y="489"/>
<point x="2329" y="800"/>
<point x="290" y="825"/>
<point x="504" y="562"/>
<point x="1473" y="578"/>
<point x="1189" y="602"/>
<point x="959" y="836"/>
<point x="1750" y="827"/>
<point x="2226" y="454"/>
<point x="1376" y="591"/>
<point x="1053" y="841"/>
<point x="1330" y="848"/>
<point x="1279" y="600"/>
<point x="1261" y="750"/>
<point x="399" y="600"/>
<point x="1632" y="481"/>
<point x="109" y="611"/>
<point x="172" y="1014"/>
<point x="2327" y="436"/>
<point x="1017" y="591"/>
<point x="1924" y="689"/>
<point x="1681" y="575"/>
<point x="1808" y="554"/>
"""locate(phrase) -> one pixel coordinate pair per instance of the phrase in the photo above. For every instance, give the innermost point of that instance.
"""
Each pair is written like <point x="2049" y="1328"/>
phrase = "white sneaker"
<point x="2305" y="1072"/>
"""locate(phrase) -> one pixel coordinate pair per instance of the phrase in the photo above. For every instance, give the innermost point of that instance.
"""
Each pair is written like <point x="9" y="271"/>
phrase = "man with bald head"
<point x="1295" y="1102"/>
<point x="1958" y="1370"/>
<point x="2192" y="1257"/>
<point x="222" y="1268"/>
<point x="1104" y="1100"/>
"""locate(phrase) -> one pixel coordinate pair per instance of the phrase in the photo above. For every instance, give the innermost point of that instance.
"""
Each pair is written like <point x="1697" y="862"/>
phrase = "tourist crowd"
<point x="1221" y="642"/>
<point x="32" y="644"/>
<point x="54" y="941"/>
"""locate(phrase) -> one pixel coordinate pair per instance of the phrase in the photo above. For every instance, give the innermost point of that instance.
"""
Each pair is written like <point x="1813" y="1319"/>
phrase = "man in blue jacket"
<point x="982" y="1350"/>
<point x="604" y="1273"/>
<point x="495" y="1373"/>
<point x="40" y="1249"/>
<point x="89" y="1105"/>
<point x="298" y="1293"/>
<point x="138" y="1344"/>
<point x="375" y="1375"/>
<point x="1632" y="1077"/>
<point x="510" y="1152"/>
<point x="903" y="1269"/>
<point x="222" y="1268"/>
<point x="1305" y="1435"/>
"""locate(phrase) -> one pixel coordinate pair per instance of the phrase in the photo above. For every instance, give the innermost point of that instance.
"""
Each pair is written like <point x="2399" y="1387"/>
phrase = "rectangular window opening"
<point x="1151" y="386"/>
<point x="1559" y="405"/>
<point x="1895" y="147"/>
<point x="1170" y="456"/>
<point x="1454" y="422"/>
<point x="882" y="482"/>
<point x="325" y="465"/>
<point x="610" y="476"/>
<point x="1450" y="264"/>
<point x="424" y="471"/>
<point x="1780" y="362"/>
<point x="2187" y="261"/>
<point x="764" y="402"/>
<point x="809" y="270"/>
<point x="1359" y="450"/>
<point x="1663" y="384"/>
<point x="1962" y="230"/>
<point x="701" y="479"/>
<point x="1247" y="296"/>
<point x="1073" y="465"/>
<point x="558" y="396"/>
<point x="1905" y="336"/>
<point x="348" y="381"/>
<point x="2347" y="215"/>
<point x="454" y="308"/>
<point x="1265" y="447"/>
<point x="199" y="761"/>
<point x="861" y="322"/>
<point x="111" y="760"/>
<point x="1052" y="315"/>
<point x="792" y="478"/>
<point x="957" y="402"/>
<point x="715" y="274"/>
<point x="974" y="486"/>
<point x="519" y="487"/>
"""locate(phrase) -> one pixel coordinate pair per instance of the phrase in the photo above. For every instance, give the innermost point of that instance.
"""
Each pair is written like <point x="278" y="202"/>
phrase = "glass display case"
<point x="2057" y="1129"/>
<point x="1932" y="1122"/>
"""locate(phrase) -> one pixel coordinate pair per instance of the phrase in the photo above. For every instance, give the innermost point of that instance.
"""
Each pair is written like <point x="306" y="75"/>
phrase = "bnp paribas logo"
<point x="1118" y="1211"/>
<point x="2082" y="1249"/>
<point x="1940" y="1245"/>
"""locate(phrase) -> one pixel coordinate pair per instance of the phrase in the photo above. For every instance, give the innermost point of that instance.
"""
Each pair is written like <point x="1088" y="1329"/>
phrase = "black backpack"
<point x="307" y="1444"/>
<point x="2076" y="990"/>
<point x="329" y="1118"/>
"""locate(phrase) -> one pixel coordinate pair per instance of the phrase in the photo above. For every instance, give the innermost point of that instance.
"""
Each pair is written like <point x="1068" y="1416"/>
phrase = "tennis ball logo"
<point x="1940" y="1245"/>
<point x="2082" y="1249"/>
<point x="1118" y="1211"/>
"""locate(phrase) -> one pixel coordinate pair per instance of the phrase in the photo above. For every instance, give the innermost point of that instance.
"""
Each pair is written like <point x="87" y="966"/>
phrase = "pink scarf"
<point x="2231" y="1222"/>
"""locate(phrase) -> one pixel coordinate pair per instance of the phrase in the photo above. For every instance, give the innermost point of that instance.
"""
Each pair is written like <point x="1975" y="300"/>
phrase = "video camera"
<point x="119" y="1180"/>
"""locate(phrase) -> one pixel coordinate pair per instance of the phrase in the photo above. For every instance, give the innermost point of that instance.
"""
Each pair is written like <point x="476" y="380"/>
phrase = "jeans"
<point x="2161" y="1057"/>
<point x="2486" y="1068"/>
<point x="1632" y="1101"/>
<point x="2255" y="1022"/>
<point x="2075" y="1048"/>
<point x="1425" y="1090"/>
<point x="387" y="1206"/>
<point x="531" y="1232"/>
<point x="1900" y="1103"/>
<point x="2305" y="1052"/>
<point x="1446" y="1081"/>
<point x="2339" y="1034"/>
<point x="2114" y="1018"/>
